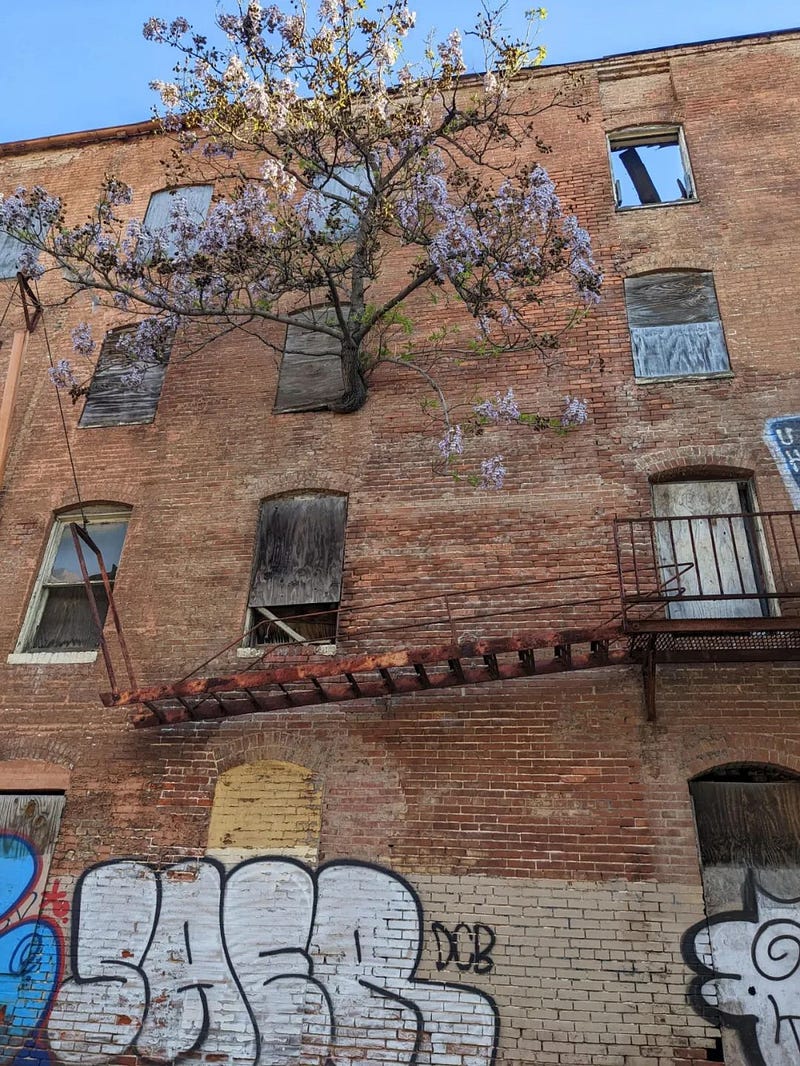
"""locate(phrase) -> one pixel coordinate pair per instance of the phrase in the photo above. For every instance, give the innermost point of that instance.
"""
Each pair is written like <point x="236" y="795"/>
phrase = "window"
<point x="344" y="193"/>
<point x="650" y="165"/>
<point x="310" y="377"/>
<point x="11" y="248"/>
<point x="59" y="617"/>
<point x="297" y="579"/>
<point x="162" y="204"/>
<point x="710" y="549"/>
<point x="124" y="391"/>
<point x="675" y="325"/>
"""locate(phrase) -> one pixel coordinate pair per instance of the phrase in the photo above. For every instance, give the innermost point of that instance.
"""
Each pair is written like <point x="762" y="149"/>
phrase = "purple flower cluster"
<point x="501" y="409"/>
<point x="575" y="413"/>
<point x="82" y="341"/>
<point x="493" y="473"/>
<point x="452" y="443"/>
<point x="61" y="375"/>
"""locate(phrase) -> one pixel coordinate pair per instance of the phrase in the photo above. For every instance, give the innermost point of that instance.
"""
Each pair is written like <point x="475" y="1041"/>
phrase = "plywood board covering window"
<point x="124" y="391"/>
<point x="675" y="325"/>
<point x="310" y="377"/>
<point x="298" y="574"/>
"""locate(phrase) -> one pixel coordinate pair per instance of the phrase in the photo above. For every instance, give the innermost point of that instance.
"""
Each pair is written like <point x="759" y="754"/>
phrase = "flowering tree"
<point x="328" y="155"/>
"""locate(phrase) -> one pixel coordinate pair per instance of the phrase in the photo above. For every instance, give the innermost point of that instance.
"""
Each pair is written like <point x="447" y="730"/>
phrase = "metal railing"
<point x="714" y="566"/>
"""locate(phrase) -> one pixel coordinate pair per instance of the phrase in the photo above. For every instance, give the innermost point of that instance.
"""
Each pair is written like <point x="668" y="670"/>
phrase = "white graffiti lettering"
<point x="749" y="975"/>
<point x="271" y="964"/>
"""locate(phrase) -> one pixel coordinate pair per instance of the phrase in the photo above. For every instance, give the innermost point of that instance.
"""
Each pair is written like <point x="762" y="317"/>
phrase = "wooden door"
<point x="715" y="554"/>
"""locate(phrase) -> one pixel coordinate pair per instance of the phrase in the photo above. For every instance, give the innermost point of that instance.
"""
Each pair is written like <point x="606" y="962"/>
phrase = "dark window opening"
<point x="650" y="166"/>
<point x="296" y="587"/>
<point x="675" y="325"/>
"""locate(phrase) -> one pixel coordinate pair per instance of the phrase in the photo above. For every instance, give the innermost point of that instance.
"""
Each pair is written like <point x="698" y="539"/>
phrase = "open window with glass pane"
<point x="650" y="166"/>
<point x="60" y="616"/>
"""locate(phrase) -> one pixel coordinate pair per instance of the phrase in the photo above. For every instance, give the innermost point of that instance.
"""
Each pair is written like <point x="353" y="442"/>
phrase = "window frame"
<point x="704" y="278"/>
<point x="174" y="191"/>
<point x="96" y="514"/>
<point x="161" y="367"/>
<point x="639" y="137"/>
<point x="334" y="355"/>
<point x="249" y="647"/>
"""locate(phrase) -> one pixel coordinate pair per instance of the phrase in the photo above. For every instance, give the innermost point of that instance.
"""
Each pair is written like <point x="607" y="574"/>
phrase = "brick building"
<point x="500" y="843"/>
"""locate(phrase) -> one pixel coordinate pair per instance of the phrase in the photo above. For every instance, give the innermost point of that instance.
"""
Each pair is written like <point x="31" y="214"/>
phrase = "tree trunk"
<point x="355" y="388"/>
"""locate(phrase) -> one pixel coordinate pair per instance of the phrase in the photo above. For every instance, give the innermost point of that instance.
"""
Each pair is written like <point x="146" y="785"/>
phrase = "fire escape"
<point x="710" y="588"/>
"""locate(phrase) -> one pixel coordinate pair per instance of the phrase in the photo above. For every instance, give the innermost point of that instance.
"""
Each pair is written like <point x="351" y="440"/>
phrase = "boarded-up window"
<point x="343" y="197"/>
<point x="59" y="616"/>
<point x="124" y="391"/>
<point x="650" y="165"/>
<point x="710" y="548"/>
<point x="675" y="325"/>
<point x="163" y="203"/>
<point x="298" y="574"/>
<point x="310" y="377"/>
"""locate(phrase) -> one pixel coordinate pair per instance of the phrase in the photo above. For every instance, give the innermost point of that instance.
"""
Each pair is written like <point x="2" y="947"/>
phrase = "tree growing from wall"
<point x="329" y="156"/>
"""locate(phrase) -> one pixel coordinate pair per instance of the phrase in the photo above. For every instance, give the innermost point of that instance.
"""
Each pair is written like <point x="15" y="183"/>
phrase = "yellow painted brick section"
<point x="274" y="807"/>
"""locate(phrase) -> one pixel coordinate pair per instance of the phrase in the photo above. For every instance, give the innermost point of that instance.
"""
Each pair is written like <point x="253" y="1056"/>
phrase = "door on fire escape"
<point x="710" y="552"/>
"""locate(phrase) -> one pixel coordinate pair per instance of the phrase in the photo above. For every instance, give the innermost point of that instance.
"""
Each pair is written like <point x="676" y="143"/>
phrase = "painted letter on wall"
<point x="270" y="964"/>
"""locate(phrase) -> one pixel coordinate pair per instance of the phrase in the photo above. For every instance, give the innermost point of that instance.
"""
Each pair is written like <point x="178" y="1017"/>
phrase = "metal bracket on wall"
<point x="649" y="679"/>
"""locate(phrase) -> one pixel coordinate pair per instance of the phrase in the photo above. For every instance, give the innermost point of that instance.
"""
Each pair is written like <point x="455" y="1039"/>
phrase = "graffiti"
<point x="748" y="974"/>
<point x="782" y="437"/>
<point x="270" y="963"/>
<point x="30" y="953"/>
<point x="477" y="955"/>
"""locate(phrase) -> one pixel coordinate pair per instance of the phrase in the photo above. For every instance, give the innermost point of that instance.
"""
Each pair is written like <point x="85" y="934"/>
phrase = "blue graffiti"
<point x="782" y="437"/>
<point x="30" y="958"/>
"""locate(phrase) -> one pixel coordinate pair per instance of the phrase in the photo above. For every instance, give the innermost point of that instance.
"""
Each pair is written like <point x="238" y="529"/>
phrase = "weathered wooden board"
<point x="671" y="298"/>
<point x="300" y="551"/>
<point x="748" y="825"/>
<point x="311" y="368"/>
<point x="115" y="401"/>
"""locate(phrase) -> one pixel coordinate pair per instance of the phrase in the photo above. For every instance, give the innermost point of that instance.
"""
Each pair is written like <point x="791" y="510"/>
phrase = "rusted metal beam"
<point x="258" y="679"/>
<point x="341" y="691"/>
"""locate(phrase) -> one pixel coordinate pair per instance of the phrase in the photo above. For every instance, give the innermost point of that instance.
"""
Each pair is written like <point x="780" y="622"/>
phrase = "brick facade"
<point x="534" y="839"/>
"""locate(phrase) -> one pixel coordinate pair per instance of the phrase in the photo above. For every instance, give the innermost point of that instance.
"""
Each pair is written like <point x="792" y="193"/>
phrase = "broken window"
<point x="675" y="325"/>
<point x="59" y="615"/>
<point x="125" y="390"/>
<point x="650" y="165"/>
<point x="297" y="581"/>
<point x="158" y="217"/>
<point x="712" y="560"/>
<point x="310" y="377"/>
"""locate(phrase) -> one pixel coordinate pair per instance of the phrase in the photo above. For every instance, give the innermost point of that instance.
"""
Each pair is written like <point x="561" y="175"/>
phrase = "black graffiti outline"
<point x="744" y="1024"/>
<point x="480" y="959"/>
<point x="225" y="875"/>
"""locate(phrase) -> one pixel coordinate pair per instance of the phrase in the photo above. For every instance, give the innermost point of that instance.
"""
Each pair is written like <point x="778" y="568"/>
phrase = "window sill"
<point x="621" y="210"/>
<point x="718" y="375"/>
<point x="257" y="653"/>
<point x="48" y="658"/>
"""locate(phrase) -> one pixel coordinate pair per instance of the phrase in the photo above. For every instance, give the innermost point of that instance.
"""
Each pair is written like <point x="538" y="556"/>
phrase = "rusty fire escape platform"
<point x="366" y="677"/>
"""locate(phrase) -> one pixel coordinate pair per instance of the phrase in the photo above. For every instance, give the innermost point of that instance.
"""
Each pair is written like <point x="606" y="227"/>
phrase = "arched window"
<point x="59" y="617"/>
<point x="297" y="576"/>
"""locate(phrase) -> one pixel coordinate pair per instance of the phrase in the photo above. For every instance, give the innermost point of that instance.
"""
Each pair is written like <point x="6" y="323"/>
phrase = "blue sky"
<point x="81" y="64"/>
